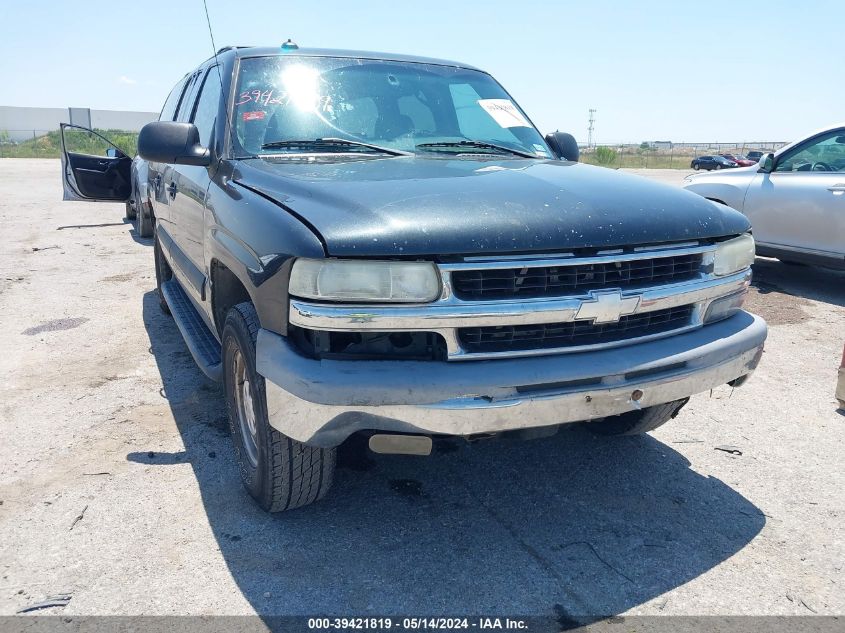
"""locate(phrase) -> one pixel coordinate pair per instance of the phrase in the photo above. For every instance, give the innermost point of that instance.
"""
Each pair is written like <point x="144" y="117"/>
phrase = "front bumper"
<point x="323" y="402"/>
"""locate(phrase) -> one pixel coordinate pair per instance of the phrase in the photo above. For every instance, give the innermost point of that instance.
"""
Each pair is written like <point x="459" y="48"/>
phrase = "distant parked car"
<point x="109" y="173"/>
<point x="754" y="156"/>
<point x="712" y="162"/>
<point x="739" y="159"/>
<point x="795" y="199"/>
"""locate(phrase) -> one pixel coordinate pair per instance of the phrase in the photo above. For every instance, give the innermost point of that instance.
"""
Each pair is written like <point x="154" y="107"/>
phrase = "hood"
<point x="412" y="206"/>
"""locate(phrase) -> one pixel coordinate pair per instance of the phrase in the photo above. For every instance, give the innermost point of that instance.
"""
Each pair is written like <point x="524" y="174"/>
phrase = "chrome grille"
<point x="562" y="280"/>
<point x="508" y="338"/>
<point x="675" y="285"/>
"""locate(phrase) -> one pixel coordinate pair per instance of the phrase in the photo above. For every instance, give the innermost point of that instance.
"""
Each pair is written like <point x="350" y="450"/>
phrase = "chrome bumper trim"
<point x="730" y="351"/>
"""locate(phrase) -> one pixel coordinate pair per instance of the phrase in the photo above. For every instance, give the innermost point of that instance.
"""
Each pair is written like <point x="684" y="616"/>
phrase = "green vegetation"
<point x="605" y="155"/>
<point x="50" y="145"/>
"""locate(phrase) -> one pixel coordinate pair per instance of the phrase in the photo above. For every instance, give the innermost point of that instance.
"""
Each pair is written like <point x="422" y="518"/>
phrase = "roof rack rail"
<point x="230" y="48"/>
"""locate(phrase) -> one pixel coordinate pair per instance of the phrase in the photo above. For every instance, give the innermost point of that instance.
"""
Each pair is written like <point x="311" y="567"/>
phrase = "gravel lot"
<point x="119" y="489"/>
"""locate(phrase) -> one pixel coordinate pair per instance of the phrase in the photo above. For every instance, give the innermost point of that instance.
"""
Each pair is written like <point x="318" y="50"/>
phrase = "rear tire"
<point x="163" y="274"/>
<point x="279" y="472"/>
<point x="144" y="219"/>
<point x="637" y="422"/>
<point x="130" y="211"/>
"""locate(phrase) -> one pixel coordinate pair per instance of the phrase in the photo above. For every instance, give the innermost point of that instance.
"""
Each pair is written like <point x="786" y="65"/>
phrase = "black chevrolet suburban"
<point x="382" y="245"/>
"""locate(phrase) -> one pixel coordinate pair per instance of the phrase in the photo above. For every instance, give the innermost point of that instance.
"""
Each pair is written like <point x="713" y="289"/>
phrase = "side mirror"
<point x="564" y="146"/>
<point x="111" y="152"/>
<point x="174" y="143"/>
<point x="767" y="163"/>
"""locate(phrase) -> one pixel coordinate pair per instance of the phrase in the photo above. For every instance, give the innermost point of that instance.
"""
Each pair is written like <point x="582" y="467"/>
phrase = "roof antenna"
<point x="217" y="64"/>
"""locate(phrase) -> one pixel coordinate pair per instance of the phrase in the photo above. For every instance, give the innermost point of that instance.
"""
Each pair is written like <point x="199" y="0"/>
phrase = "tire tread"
<point x="299" y="474"/>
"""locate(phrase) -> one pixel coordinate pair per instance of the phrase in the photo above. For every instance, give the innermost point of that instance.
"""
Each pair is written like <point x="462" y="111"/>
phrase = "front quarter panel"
<point x="727" y="188"/>
<point x="257" y="240"/>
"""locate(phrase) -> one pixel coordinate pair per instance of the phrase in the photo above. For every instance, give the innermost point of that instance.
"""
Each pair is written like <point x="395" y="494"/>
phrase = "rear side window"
<point x="207" y="106"/>
<point x="168" y="112"/>
<point x="186" y="106"/>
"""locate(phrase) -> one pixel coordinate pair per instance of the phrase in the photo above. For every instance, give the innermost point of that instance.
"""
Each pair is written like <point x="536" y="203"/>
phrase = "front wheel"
<point x="696" y="166"/>
<point x="718" y="166"/>
<point x="637" y="422"/>
<point x="279" y="472"/>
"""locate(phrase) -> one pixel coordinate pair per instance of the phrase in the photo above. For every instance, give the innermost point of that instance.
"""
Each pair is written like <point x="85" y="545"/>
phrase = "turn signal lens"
<point x="725" y="307"/>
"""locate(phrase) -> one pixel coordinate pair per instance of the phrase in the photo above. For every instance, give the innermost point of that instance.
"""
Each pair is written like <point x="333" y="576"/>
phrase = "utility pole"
<point x="590" y="128"/>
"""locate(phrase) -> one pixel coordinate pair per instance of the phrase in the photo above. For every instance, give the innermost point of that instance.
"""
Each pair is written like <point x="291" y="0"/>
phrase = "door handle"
<point x="837" y="189"/>
<point x="172" y="189"/>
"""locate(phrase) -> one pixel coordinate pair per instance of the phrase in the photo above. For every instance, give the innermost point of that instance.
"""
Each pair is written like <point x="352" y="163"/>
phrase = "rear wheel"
<point x="163" y="274"/>
<point x="143" y="219"/>
<point x="279" y="472"/>
<point x="130" y="211"/>
<point x="637" y="422"/>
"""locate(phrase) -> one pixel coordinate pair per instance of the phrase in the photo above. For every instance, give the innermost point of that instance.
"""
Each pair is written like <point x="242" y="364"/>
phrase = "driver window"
<point x="79" y="140"/>
<point x="823" y="154"/>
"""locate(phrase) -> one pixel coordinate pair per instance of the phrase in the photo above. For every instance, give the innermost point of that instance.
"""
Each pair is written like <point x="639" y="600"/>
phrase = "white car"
<point x="794" y="198"/>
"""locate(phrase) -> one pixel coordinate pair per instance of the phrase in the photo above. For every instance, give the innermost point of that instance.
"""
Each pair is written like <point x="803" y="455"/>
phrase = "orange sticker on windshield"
<point x="255" y="115"/>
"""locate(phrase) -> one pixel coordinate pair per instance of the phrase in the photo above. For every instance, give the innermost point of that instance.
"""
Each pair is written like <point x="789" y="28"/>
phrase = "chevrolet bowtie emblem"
<point x="607" y="306"/>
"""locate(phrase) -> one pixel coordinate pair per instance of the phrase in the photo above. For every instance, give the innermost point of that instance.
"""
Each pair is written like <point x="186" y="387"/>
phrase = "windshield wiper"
<point x="476" y="145"/>
<point x="332" y="144"/>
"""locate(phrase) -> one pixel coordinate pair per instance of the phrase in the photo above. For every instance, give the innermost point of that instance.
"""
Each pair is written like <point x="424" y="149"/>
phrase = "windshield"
<point x="406" y="107"/>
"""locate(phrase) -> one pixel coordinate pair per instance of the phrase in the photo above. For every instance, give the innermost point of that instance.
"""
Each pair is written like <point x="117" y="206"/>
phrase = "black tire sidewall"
<point x="162" y="272"/>
<point x="257" y="480"/>
<point x="144" y="220"/>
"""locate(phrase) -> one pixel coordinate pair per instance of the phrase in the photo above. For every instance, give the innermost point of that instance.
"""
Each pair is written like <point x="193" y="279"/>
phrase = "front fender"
<point x="726" y="193"/>
<point x="257" y="241"/>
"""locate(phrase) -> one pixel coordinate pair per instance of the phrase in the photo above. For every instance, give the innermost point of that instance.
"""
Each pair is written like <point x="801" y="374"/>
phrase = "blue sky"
<point x="739" y="70"/>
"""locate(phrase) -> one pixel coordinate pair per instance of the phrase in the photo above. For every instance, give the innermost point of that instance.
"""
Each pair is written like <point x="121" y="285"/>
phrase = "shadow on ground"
<point x="809" y="282"/>
<point x="564" y="527"/>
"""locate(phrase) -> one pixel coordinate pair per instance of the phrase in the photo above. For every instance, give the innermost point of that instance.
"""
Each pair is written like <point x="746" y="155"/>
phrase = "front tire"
<point x="696" y="166"/>
<point x="718" y="167"/>
<point x="637" y="422"/>
<point x="279" y="472"/>
<point x="130" y="211"/>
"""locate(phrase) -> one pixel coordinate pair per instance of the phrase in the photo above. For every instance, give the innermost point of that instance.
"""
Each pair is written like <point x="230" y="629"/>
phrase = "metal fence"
<point x="48" y="143"/>
<point x="667" y="155"/>
<point x="29" y="143"/>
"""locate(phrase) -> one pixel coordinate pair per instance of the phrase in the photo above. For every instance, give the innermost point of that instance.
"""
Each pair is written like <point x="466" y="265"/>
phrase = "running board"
<point x="201" y="342"/>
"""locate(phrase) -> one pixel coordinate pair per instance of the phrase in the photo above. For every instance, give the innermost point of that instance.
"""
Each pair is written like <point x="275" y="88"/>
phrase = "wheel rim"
<point x="245" y="409"/>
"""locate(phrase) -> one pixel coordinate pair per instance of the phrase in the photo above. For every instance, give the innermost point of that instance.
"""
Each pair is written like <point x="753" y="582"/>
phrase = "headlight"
<point x="734" y="255"/>
<point x="373" y="281"/>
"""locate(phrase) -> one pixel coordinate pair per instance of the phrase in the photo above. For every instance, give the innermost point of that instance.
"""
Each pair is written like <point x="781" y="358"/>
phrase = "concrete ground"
<point x="118" y="487"/>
